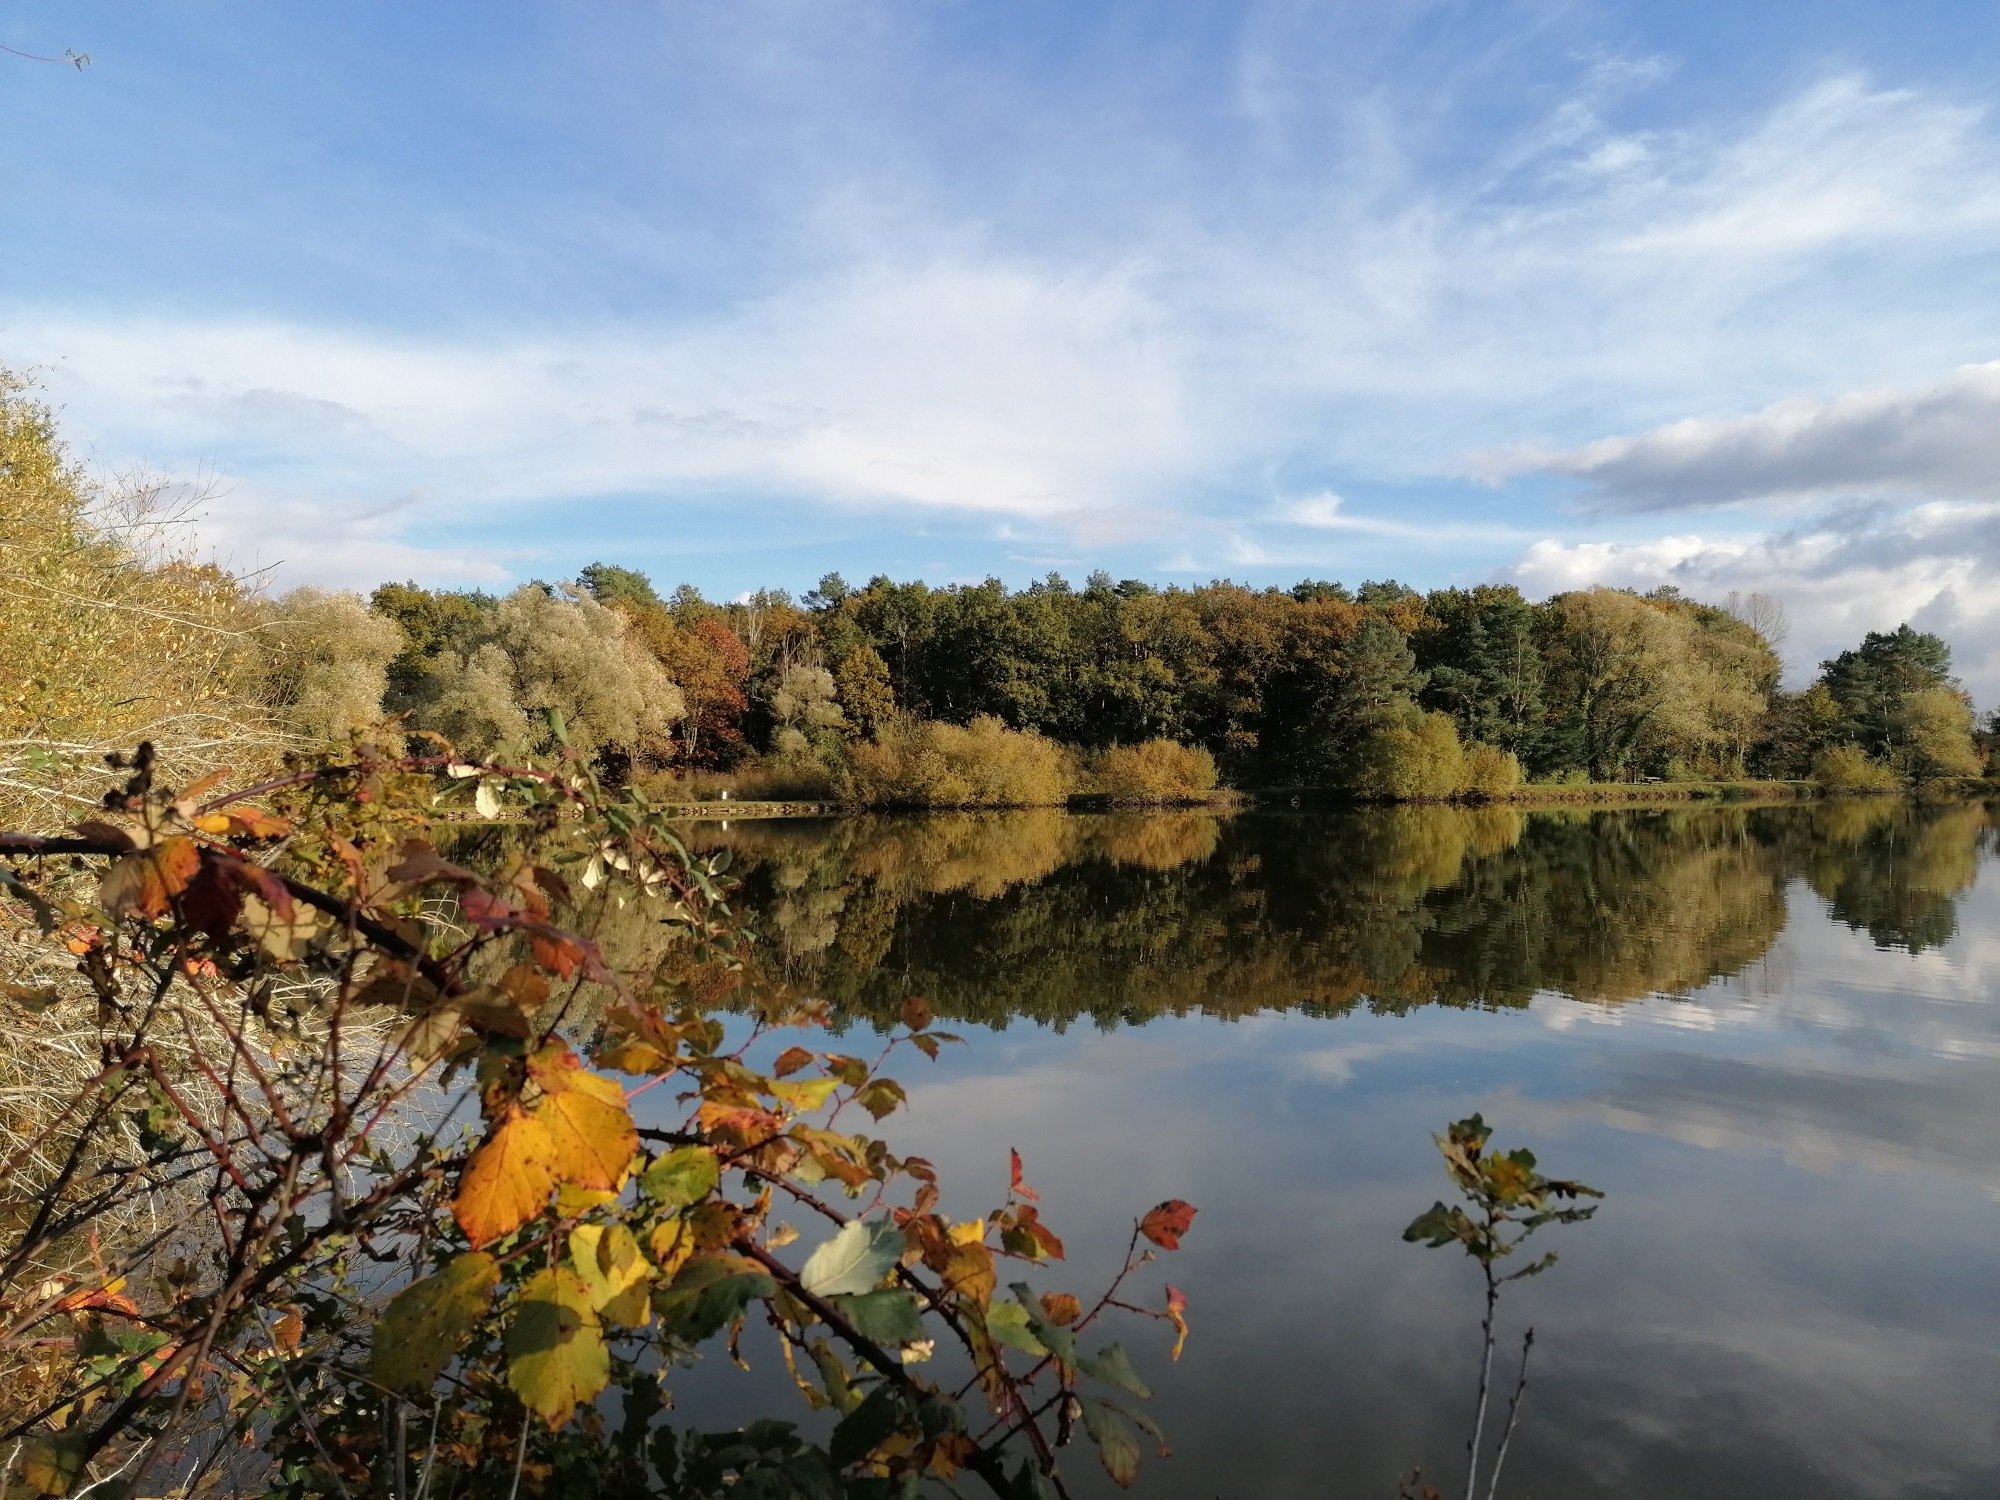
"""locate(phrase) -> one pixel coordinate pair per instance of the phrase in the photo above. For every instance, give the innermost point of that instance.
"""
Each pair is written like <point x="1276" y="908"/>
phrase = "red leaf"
<point x="1017" y="1188"/>
<point x="1165" y="1225"/>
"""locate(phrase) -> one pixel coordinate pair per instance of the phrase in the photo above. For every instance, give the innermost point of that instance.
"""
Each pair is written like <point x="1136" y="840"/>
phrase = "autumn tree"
<point x="323" y="663"/>
<point x="861" y="684"/>
<point x="540" y="652"/>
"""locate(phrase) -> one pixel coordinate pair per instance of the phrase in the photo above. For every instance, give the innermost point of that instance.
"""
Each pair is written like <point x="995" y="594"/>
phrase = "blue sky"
<point x="743" y="292"/>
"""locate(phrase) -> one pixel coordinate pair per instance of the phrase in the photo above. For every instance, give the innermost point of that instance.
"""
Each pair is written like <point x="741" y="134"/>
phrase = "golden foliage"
<point x="1152" y="771"/>
<point x="920" y="763"/>
<point x="111" y="636"/>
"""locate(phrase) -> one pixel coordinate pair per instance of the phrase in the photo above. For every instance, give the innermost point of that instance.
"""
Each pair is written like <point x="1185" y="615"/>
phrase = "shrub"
<point x="922" y="763"/>
<point x="107" y="635"/>
<point x="1153" y="771"/>
<point x="1414" y="760"/>
<point x="1847" y="768"/>
<point x="1489" y="770"/>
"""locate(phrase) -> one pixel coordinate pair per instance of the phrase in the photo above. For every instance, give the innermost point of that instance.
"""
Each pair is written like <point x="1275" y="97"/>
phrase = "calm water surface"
<point x="1771" y="1035"/>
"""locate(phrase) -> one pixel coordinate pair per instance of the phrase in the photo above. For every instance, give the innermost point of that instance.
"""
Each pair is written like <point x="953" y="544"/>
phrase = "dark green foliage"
<point x="610" y="584"/>
<point x="1485" y="668"/>
<point x="432" y="620"/>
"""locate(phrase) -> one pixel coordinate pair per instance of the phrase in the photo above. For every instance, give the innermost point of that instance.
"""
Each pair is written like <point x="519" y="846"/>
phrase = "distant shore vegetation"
<point x="901" y="694"/>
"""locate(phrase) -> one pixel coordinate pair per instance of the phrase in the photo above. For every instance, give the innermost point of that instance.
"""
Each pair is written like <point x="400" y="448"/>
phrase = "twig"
<point x="1513" y="1412"/>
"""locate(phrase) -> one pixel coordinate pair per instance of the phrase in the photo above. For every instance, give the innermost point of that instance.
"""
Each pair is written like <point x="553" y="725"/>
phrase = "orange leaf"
<point x="255" y="823"/>
<point x="1165" y="1225"/>
<point x="790" y="1061"/>
<point x="508" y="1179"/>
<point x="1060" y="1308"/>
<point x="145" y="882"/>
<point x="916" y="1013"/>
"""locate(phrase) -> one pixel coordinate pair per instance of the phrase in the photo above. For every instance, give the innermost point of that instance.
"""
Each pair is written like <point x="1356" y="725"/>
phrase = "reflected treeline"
<point x="1054" y="917"/>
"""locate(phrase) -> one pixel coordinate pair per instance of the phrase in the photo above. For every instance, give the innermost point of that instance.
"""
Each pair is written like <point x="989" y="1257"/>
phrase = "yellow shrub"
<point x="921" y="763"/>
<point x="1489" y="770"/>
<point x="1154" y="771"/>
<point x="1847" y="768"/>
<point x="1418" y="761"/>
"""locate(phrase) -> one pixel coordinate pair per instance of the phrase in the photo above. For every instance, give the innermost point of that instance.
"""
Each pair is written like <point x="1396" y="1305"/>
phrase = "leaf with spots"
<point x="556" y="1359"/>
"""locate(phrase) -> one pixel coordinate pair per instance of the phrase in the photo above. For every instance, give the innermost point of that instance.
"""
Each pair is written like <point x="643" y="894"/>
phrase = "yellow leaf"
<point x="806" y="1093"/>
<point x="556" y="1359"/>
<point x="971" y="1232"/>
<point x="212" y="822"/>
<point x="671" y="1244"/>
<point x="425" y="1324"/>
<point x="50" y="1465"/>
<point x="968" y="1271"/>
<point x="618" y="1276"/>
<point x="573" y="1202"/>
<point x="507" y="1180"/>
<point x="590" y="1130"/>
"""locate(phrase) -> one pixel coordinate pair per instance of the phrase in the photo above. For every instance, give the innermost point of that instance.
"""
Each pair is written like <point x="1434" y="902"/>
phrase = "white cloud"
<point x="1375" y="322"/>
<point x="1937" y="566"/>
<point x="1940" y="442"/>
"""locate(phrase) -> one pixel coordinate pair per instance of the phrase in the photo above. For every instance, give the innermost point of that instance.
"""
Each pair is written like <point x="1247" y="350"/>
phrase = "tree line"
<point x="901" y="692"/>
<point x="1381" y="690"/>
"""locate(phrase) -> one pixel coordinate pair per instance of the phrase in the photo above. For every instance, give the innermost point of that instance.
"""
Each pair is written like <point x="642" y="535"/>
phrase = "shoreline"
<point x="1589" y="794"/>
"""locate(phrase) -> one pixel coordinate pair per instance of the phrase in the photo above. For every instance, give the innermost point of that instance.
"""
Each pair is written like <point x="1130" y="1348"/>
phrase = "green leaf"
<point x="1116" y="1438"/>
<point x="880" y="1097"/>
<point x="685" y="1175"/>
<point x="709" y="1294"/>
<point x="1007" y="1323"/>
<point x="1030" y="1483"/>
<point x="427" y="1322"/>
<point x="1438" y="1226"/>
<point x="50" y="1465"/>
<point x="862" y="1430"/>
<point x="1111" y="1365"/>
<point x="556" y="1359"/>
<point x="888" y="1317"/>
<point x="1061" y="1342"/>
<point x="855" y="1260"/>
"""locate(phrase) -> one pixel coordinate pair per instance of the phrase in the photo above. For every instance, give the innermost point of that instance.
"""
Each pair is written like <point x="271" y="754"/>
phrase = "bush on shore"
<point x="1152" y="771"/>
<point x="922" y="763"/>
<point x="1847" y="768"/>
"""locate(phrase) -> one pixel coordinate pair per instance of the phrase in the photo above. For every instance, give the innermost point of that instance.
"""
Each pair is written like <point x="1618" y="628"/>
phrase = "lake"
<point x="1769" y="1034"/>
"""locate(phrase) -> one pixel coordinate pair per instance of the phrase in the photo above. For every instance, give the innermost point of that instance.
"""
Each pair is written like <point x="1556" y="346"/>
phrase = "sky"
<point x="740" y="292"/>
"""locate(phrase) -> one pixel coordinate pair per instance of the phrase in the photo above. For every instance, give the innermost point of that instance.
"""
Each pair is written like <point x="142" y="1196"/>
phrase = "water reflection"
<point x="1769" y="1032"/>
<point x="1054" y="917"/>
